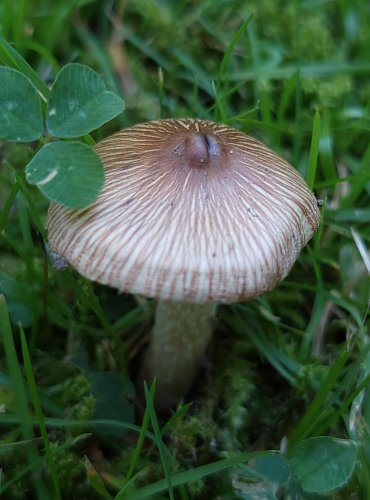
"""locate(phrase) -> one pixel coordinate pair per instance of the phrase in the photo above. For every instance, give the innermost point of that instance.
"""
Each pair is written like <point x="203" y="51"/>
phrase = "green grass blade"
<point x="8" y="205"/>
<point x="96" y="481"/>
<point x="255" y="61"/>
<point x="218" y="84"/>
<point x="230" y="48"/>
<point x="315" y="318"/>
<point x="314" y="410"/>
<point x="140" y="441"/>
<point x="42" y="51"/>
<point x="159" y="441"/>
<point x="320" y="232"/>
<point x="286" y="96"/>
<point x="99" y="50"/>
<point x="195" y="474"/>
<point x="298" y="106"/>
<point x="21" y="399"/>
<point x="331" y="416"/>
<point x="287" y="367"/>
<point x="11" y="57"/>
<point x="347" y="305"/>
<point x="364" y="461"/>
<point x="39" y="415"/>
<point x="361" y="247"/>
<point x="326" y="155"/>
<point x="28" y="246"/>
<point x="66" y="423"/>
<point x="38" y="463"/>
<point x="358" y="182"/>
<point x="314" y="151"/>
<point x="18" y="20"/>
<point x="35" y="212"/>
<point x="320" y="69"/>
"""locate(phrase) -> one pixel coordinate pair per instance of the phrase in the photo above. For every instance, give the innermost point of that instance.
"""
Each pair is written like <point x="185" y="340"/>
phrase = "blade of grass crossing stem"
<point x="314" y="151"/>
<point x="314" y="410"/>
<point x="130" y="479"/>
<point x="11" y="57"/>
<point x="158" y="435"/>
<point x="141" y="438"/>
<point x="21" y="403"/>
<point x="39" y="414"/>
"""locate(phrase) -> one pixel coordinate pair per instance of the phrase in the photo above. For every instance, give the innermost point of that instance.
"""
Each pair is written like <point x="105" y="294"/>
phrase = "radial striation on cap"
<point x="190" y="210"/>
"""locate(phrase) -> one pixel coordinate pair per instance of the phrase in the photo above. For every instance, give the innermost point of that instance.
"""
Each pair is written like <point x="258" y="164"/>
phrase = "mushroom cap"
<point x="190" y="210"/>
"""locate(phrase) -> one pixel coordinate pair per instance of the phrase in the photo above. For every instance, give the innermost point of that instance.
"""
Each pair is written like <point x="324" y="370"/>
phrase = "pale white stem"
<point x="180" y="336"/>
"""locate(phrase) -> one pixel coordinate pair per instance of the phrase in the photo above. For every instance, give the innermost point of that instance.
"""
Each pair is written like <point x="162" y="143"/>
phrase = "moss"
<point x="76" y="388"/>
<point x="111" y="355"/>
<point x="78" y="400"/>
<point x="73" y="480"/>
<point x="330" y="92"/>
<point x="12" y="462"/>
<point x="314" y="41"/>
<point x="233" y="389"/>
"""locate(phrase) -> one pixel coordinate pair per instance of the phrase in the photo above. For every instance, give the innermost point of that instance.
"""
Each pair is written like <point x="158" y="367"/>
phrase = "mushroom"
<point x="192" y="213"/>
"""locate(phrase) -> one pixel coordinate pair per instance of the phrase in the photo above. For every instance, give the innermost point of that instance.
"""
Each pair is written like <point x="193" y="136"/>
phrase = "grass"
<point x="289" y="366"/>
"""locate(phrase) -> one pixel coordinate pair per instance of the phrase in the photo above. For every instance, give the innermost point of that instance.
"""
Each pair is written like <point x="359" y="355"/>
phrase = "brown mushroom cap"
<point x="190" y="210"/>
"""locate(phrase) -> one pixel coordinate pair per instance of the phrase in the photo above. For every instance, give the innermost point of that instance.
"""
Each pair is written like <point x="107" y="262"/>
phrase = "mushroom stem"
<point x="178" y="342"/>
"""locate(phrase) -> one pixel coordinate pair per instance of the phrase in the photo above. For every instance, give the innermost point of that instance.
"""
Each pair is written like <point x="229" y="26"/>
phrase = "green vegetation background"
<point x="288" y="366"/>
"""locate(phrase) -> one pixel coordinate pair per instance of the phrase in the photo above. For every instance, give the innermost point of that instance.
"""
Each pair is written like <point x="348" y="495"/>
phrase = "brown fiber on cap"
<point x="190" y="210"/>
